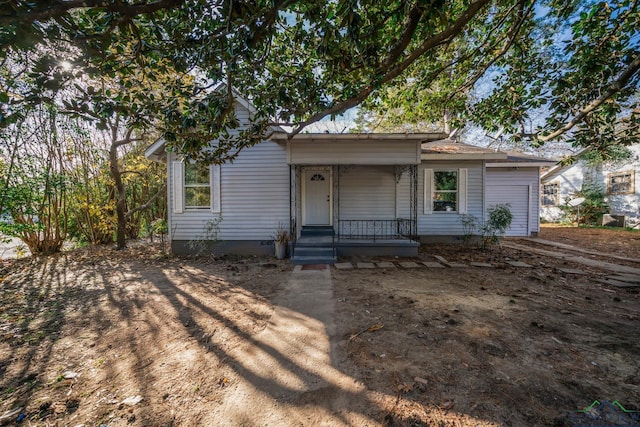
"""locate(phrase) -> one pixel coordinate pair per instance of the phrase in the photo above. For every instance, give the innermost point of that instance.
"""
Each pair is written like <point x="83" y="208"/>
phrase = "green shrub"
<point x="593" y="207"/>
<point x="500" y="218"/>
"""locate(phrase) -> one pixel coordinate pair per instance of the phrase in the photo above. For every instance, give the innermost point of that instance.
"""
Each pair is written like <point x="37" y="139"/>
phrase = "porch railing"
<point x="376" y="229"/>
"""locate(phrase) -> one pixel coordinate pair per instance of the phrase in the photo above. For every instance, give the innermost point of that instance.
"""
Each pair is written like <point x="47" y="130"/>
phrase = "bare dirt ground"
<point x="133" y="338"/>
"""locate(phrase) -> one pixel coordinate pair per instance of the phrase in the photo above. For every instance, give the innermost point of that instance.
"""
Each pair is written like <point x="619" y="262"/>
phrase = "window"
<point x="550" y="193"/>
<point x="621" y="183"/>
<point x="197" y="186"/>
<point x="445" y="191"/>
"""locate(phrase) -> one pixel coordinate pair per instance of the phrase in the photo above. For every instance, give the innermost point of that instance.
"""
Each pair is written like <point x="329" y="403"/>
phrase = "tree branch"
<point x="511" y="38"/>
<point x="59" y="8"/>
<point x="148" y="203"/>
<point x="454" y="29"/>
<point x="407" y="35"/>
<point x="616" y="86"/>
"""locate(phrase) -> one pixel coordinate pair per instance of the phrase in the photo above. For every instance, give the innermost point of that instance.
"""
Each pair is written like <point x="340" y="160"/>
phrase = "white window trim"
<point x="429" y="190"/>
<point x="215" y="188"/>
<point x="177" y="173"/>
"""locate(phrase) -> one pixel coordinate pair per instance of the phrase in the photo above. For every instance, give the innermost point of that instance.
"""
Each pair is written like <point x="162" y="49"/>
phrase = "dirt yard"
<point x="134" y="338"/>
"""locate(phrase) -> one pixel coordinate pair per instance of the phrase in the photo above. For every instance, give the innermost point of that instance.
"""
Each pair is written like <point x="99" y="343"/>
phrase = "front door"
<point x="317" y="197"/>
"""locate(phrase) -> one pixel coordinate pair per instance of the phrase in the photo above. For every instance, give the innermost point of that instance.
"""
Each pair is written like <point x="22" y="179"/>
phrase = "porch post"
<point x="293" y="183"/>
<point x="297" y="199"/>
<point x="336" y="198"/>
<point x="413" y="195"/>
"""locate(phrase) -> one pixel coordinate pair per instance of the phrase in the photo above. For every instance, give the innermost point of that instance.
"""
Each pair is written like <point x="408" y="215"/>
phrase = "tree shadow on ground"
<point x="183" y="334"/>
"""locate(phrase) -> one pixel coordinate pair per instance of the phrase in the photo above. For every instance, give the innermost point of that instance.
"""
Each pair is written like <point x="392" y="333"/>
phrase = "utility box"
<point x="614" y="220"/>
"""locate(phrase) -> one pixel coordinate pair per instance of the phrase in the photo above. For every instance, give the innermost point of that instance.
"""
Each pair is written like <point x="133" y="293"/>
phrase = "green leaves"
<point x="494" y="62"/>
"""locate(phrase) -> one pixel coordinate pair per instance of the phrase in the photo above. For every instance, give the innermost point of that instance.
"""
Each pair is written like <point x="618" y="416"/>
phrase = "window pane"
<point x="197" y="197"/>
<point x="446" y="180"/>
<point x="550" y="194"/>
<point x="196" y="173"/>
<point x="445" y="202"/>
<point x="620" y="183"/>
<point x="445" y="194"/>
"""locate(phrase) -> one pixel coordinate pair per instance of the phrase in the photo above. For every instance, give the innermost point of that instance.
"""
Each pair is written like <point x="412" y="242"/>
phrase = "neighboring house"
<point x="379" y="193"/>
<point x="620" y="182"/>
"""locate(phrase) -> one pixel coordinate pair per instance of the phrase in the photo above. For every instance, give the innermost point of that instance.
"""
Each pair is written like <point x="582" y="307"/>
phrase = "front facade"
<point x="620" y="182"/>
<point x="378" y="193"/>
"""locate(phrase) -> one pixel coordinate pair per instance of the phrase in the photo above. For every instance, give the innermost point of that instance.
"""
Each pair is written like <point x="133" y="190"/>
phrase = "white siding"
<point x="518" y="187"/>
<point x="448" y="223"/>
<point x="254" y="195"/>
<point x="353" y="153"/>
<point x="571" y="179"/>
<point x="368" y="192"/>
<point x="403" y="197"/>
<point x="626" y="204"/>
<point x="254" y="198"/>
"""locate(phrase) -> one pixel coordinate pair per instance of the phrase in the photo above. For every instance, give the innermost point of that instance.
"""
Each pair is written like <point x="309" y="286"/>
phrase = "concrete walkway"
<point x="285" y="375"/>
<point x="607" y="266"/>
<point x="576" y="249"/>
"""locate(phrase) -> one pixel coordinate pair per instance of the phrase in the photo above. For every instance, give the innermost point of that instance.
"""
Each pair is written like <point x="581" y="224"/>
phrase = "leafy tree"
<point x="567" y="70"/>
<point x="574" y="63"/>
<point x="34" y="190"/>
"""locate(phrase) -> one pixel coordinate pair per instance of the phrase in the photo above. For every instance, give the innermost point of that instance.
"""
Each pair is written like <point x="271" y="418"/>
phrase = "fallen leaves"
<point x="371" y="328"/>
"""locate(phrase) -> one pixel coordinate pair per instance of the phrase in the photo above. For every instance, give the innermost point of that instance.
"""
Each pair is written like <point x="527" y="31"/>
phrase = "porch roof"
<point x="355" y="137"/>
<point x="517" y="159"/>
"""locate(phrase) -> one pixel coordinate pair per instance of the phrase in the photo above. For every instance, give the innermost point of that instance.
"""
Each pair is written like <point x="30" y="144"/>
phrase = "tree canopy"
<point x="572" y="64"/>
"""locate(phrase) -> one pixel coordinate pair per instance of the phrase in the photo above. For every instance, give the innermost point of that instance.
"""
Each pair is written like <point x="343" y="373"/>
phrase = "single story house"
<point x="368" y="194"/>
<point x="619" y="181"/>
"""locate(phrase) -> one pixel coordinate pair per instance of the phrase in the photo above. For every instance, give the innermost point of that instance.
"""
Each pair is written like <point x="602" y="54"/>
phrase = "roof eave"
<point x="524" y="164"/>
<point x="357" y="136"/>
<point x="463" y="156"/>
<point x="156" y="151"/>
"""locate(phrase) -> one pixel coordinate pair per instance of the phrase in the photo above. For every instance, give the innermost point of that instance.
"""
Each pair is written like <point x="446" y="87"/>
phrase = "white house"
<point x="619" y="181"/>
<point x="367" y="194"/>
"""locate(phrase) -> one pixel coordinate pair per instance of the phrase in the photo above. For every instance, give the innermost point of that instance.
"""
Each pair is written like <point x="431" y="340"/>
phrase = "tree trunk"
<point x="121" y="229"/>
<point x="446" y="120"/>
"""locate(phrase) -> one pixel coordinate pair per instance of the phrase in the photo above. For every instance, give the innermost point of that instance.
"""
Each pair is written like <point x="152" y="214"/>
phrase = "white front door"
<point x="317" y="197"/>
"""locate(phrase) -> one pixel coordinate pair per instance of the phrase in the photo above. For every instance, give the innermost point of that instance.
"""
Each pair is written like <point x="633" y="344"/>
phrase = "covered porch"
<point x="362" y="187"/>
<point x="370" y="209"/>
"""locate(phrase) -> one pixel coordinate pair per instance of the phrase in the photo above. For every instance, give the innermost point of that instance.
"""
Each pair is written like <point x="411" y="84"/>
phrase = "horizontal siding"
<point x="254" y="198"/>
<point x="403" y="196"/>
<point x="353" y="153"/>
<point x="368" y="192"/>
<point x="520" y="188"/>
<point x="517" y="196"/>
<point x="626" y="204"/>
<point x="571" y="180"/>
<point x="448" y="223"/>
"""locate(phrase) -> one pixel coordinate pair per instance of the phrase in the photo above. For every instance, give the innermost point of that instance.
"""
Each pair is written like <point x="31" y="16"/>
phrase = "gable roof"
<point x="156" y="151"/>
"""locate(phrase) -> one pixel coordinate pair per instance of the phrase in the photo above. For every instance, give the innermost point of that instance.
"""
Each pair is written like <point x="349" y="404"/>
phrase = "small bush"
<point x="469" y="226"/>
<point x="500" y="218"/>
<point x="593" y="207"/>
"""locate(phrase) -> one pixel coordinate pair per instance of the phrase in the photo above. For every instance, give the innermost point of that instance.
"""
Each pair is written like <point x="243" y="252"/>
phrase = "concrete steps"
<point x="315" y="246"/>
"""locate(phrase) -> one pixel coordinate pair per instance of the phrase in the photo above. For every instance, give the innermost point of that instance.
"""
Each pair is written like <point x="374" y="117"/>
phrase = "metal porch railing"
<point x="376" y="229"/>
